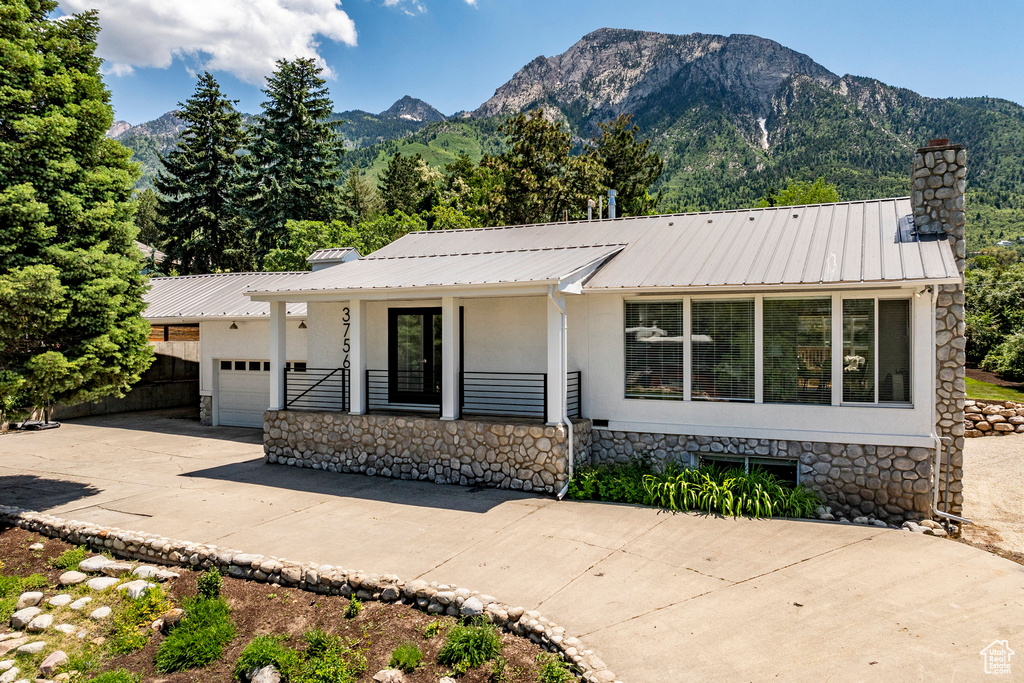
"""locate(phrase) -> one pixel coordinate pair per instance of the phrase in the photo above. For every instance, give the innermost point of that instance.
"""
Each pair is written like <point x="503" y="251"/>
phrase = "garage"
<point x="243" y="391"/>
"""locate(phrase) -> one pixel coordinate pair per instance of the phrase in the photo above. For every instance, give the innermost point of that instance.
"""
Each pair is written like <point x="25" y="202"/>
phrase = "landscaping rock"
<point x="861" y="520"/>
<point x="72" y="578"/>
<point x="9" y="635"/>
<point x="389" y="676"/>
<point x="36" y="546"/>
<point x="117" y="569"/>
<point x="10" y="675"/>
<point x="32" y="648"/>
<point x="165" y="575"/>
<point x="145" y="571"/>
<point x="267" y="674"/>
<point x="100" y="613"/>
<point x="136" y="589"/>
<point x="447" y="679"/>
<point x="936" y="532"/>
<point x="827" y="517"/>
<point x="102" y="583"/>
<point x="65" y="628"/>
<point x="80" y="603"/>
<point x="40" y="623"/>
<point x="94" y="563"/>
<point x="20" y="619"/>
<point x="13" y="644"/>
<point x="28" y="599"/>
<point x="59" y="600"/>
<point x="6" y="664"/>
<point x="472" y="607"/>
<point x="172" y="618"/>
<point x="930" y="523"/>
<point x="55" y="659"/>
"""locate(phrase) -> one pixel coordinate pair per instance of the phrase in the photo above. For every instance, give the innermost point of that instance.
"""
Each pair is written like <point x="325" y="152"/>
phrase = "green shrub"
<point x="209" y="583"/>
<point x="434" y="627"/>
<point x="200" y="639"/>
<point x="725" y="491"/>
<point x="132" y="619"/>
<point x="329" y="659"/>
<point x="69" y="559"/>
<point x="1007" y="359"/>
<point x="553" y="669"/>
<point x="354" y="607"/>
<point x="467" y="647"/>
<point x="406" y="657"/>
<point x="264" y="651"/>
<point x="116" y="676"/>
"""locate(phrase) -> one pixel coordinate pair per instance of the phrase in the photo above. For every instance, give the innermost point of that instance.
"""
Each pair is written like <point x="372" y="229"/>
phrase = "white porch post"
<point x="450" y="369"/>
<point x="278" y="353"/>
<point x="357" y="357"/>
<point x="556" y="367"/>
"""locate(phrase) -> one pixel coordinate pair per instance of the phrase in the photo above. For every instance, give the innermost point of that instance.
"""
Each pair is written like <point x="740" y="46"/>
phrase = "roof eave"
<point x="781" y="286"/>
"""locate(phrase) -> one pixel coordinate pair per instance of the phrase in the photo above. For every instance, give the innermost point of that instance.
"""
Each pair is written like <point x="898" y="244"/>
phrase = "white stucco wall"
<point x="251" y="341"/>
<point x="327" y="334"/>
<point x="596" y="348"/>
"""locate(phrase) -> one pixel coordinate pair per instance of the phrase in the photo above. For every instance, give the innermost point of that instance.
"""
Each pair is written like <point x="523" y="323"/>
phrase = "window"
<point x="239" y="365"/>
<point x="266" y="366"/>
<point x="876" y="351"/>
<point x="299" y="367"/>
<point x="798" y="351"/>
<point x="255" y="365"/>
<point x="654" y="350"/>
<point x="722" y="344"/>
<point x="225" y="365"/>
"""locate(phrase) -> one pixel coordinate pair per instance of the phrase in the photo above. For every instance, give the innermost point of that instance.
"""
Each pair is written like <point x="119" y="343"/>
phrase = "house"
<point x="825" y="343"/>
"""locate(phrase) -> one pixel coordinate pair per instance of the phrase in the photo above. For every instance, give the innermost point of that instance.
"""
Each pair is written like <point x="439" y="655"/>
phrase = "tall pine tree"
<point x="71" y="289"/>
<point x="295" y="154"/>
<point x="632" y="167"/>
<point x="200" y="185"/>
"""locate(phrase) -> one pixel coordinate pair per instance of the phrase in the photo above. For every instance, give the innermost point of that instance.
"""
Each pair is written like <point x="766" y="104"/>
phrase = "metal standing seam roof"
<point x="862" y="242"/>
<point x="334" y="254"/>
<point x="218" y="295"/>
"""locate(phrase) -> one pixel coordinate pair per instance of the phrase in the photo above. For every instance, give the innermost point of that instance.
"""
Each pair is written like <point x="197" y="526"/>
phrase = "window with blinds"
<point x="894" y="351"/>
<point x="858" y="350"/>
<point x="876" y="351"/>
<point x="654" y="350"/>
<point x="722" y="343"/>
<point x="798" y="351"/>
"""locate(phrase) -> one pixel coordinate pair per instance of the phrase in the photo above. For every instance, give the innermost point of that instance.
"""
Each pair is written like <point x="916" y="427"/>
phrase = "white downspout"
<point x="564" y="385"/>
<point x="938" y="440"/>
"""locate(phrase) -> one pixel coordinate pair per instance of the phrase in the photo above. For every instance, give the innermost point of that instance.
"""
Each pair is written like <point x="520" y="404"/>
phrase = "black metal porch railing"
<point x="413" y="390"/>
<point x="511" y="394"/>
<point x="317" y="389"/>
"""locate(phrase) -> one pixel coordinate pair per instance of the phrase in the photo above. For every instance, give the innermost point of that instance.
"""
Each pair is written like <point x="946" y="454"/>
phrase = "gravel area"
<point x="994" y="494"/>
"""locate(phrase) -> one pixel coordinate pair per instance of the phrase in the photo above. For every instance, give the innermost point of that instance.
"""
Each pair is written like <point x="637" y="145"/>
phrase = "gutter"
<point x="939" y="441"/>
<point x="564" y="386"/>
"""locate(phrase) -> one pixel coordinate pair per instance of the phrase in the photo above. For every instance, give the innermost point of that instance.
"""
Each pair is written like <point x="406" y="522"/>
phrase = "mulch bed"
<point x="258" y="608"/>
<point x="986" y="376"/>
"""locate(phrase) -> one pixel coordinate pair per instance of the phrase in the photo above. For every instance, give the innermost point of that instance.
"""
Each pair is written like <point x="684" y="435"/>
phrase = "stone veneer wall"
<point x="520" y="456"/>
<point x="206" y="410"/>
<point x="889" y="482"/>
<point x="940" y="180"/>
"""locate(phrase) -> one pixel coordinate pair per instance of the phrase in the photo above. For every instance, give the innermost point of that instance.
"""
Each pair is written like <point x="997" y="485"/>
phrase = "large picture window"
<point x="723" y="350"/>
<point x="798" y="351"/>
<point x="876" y="351"/>
<point x="654" y="350"/>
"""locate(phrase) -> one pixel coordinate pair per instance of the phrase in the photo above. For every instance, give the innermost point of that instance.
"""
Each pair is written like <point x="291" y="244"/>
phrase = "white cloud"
<point x="243" y="37"/>
<point x="410" y="7"/>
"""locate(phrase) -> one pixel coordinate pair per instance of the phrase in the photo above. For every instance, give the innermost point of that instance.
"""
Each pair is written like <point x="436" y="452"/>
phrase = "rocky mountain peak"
<point x="412" y="109"/>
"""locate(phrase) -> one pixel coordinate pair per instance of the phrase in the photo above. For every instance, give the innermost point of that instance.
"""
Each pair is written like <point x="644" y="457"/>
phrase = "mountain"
<point x="735" y="115"/>
<point x="412" y="109"/>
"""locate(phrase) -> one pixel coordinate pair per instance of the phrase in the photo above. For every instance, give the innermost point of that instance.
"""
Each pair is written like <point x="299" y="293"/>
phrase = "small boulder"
<point x="28" y="599"/>
<point x="940" y="532"/>
<point x="136" y="589"/>
<point x="94" y="563"/>
<point x="101" y="583"/>
<point x="165" y="575"/>
<point x="65" y="628"/>
<point x="827" y="517"/>
<point x="40" y="623"/>
<point x="145" y="571"/>
<point x="389" y="676"/>
<point x="71" y="578"/>
<point x="10" y="675"/>
<point x="55" y="659"/>
<point x="32" y="648"/>
<point x="80" y="603"/>
<point x="117" y="569"/>
<point x="59" y="600"/>
<point x="930" y="523"/>
<point x="6" y="664"/>
<point x="36" y="546"/>
<point x="100" y="613"/>
<point x="861" y="520"/>
<point x="12" y="644"/>
<point x="472" y="607"/>
<point x="447" y="679"/>
<point x="267" y="674"/>
<point x="20" y="619"/>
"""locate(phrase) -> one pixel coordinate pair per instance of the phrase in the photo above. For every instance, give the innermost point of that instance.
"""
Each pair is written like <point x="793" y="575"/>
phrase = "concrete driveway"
<point x="660" y="597"/>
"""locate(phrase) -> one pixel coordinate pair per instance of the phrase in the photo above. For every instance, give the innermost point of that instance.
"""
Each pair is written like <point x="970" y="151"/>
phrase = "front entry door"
<point x="414" y="355"/>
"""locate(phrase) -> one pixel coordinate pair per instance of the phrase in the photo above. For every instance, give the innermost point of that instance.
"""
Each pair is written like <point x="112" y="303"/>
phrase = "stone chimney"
<point x="940" y="178"/>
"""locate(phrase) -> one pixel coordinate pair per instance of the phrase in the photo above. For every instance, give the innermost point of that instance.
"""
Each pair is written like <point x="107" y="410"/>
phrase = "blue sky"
<point x="454" y="53"/>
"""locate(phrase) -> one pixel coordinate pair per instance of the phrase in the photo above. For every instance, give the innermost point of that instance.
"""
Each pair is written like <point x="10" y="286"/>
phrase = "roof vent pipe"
<point x="611" y="203"/>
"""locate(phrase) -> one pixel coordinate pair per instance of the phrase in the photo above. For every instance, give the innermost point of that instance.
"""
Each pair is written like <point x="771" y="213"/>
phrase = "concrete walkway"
<point x="660" y="597"/>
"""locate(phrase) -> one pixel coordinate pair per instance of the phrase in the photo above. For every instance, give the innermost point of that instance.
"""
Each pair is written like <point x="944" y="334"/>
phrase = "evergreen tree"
<point x="148" y="219"/>
<point x="71" y="289"/>
<point x="295" y="155"/>
<point x="200" y="185"/>
<point x="359" y="199"/>
<point x="632" y="168"/>
<point x="402" y="186"/>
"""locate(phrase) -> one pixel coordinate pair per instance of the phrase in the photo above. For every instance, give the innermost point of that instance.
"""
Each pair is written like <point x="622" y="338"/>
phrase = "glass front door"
<point x="414" y="350"/>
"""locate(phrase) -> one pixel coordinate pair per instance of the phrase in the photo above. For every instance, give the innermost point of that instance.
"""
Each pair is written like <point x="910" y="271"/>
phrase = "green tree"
<point x="305" y="237"/>
<point x="632" y="168"/>
<point x="359" y="199"/>
<point x="387" y="228"/>
<point x="295" y="154"/>
<point x="200" y="185"/>
<point x="71" y="289"/>
<point x="799" y="192"/>
<point x="402" y="185"/>
<point x="540" y="180"/>
<point x="148" y="219"/>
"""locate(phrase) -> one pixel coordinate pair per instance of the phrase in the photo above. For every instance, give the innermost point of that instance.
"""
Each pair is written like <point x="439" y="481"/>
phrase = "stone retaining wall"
<point x="433" y="598"/>
<point x="206" y="410"/>
<point x="993" y="418"/>
<point x="520" y="456"/>
<point x="891" y="483"/>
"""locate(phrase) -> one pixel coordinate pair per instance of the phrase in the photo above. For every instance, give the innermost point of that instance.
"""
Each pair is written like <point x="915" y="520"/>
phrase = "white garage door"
<point x="243" y="392"/>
